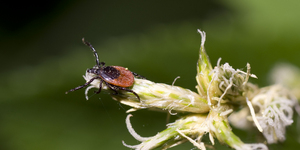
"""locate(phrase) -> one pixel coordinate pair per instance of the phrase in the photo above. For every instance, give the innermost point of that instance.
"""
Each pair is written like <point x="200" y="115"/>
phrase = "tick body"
<point x="117" y="75"/>
<point x="114" y="77"/>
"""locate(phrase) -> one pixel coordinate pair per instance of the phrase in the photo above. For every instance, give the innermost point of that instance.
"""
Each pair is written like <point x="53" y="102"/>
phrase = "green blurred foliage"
<point x="42" y="57"/>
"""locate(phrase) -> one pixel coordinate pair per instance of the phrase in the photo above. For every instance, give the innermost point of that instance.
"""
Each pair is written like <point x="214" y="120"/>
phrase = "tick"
<point x="114" y="77"/>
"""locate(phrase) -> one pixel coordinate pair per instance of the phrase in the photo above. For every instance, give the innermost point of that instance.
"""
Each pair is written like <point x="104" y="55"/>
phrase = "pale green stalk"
<point x="189" y="125"/>
<point x="222" y="131"/>
<point x="164" y="97"/>
<point x="204" y="68"/>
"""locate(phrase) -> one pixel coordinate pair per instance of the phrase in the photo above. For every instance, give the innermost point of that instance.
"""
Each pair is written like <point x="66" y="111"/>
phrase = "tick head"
<point x="94" y="70"/>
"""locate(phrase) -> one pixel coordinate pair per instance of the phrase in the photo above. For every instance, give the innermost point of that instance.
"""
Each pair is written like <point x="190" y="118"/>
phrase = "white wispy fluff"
<point x="275" y="105"/>
<point x="95" y="84"/>
<point x="231" y="82"/>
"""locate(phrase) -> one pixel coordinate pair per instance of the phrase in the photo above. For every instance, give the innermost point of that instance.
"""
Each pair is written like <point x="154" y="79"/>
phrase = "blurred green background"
<point x="42" y="56"/>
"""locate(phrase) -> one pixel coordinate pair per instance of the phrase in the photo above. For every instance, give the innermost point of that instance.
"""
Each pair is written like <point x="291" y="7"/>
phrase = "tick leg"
<point x="102" y="63"/>
<point x="100" y="87"/>
<point x="112" y="88"/>
<point x="137" y="75"/>
<point x="128" y="90"/>
<point x="82" y="86"/>
<point x="116" y="88"/>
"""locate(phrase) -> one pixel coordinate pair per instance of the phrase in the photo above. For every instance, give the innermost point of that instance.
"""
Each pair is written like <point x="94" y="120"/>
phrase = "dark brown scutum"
<point x="110" y="73"/>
